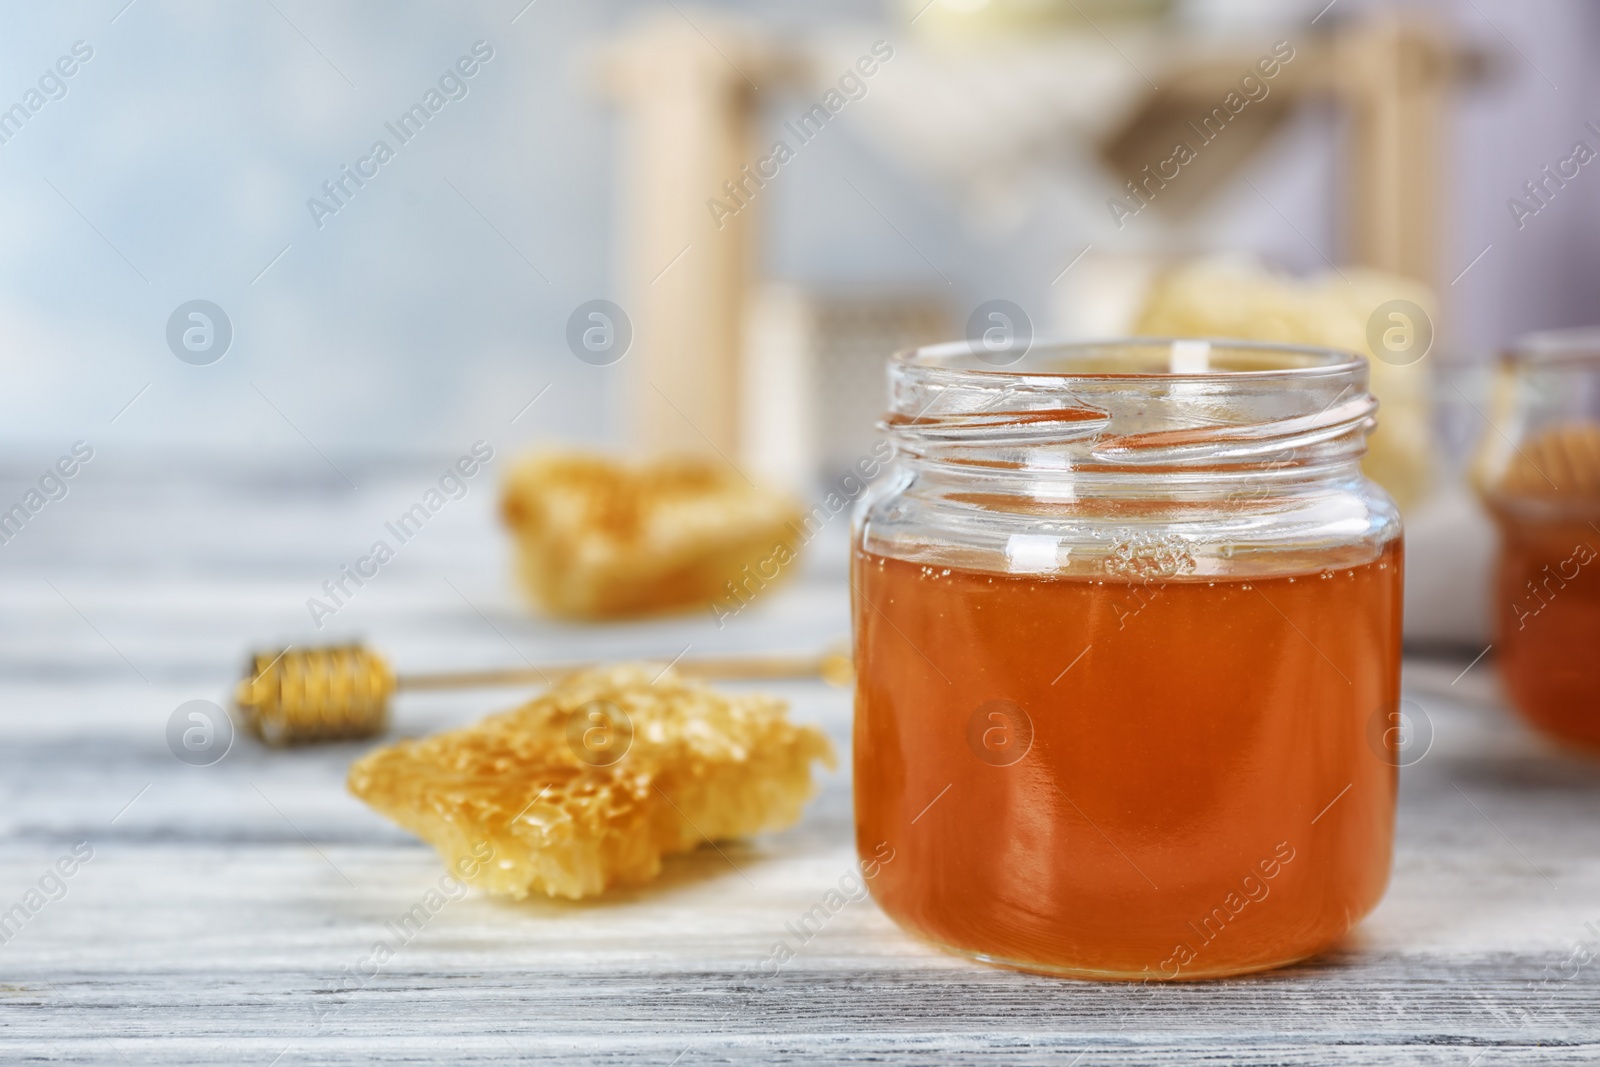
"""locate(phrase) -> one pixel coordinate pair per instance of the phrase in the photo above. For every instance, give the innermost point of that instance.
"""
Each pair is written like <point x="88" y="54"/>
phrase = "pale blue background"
<point x="198" y="130"/>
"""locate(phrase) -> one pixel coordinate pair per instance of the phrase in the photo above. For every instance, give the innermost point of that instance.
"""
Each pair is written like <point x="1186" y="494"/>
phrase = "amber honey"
<point x="1161" y="779"/>
<point x="1547" y="613"/>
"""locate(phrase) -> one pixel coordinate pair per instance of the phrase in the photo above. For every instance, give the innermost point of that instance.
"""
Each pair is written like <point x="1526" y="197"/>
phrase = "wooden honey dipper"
<point x="1560" y="461"/>
<point x="342" y="692"/>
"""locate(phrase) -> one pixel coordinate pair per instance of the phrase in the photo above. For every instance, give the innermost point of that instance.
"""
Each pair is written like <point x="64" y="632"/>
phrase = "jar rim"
<point x="1195" y="355"/>
<point x="1579" y="344"/>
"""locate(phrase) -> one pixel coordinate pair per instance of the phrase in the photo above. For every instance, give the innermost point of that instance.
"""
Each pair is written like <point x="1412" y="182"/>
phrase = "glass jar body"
<point x="1123" y="723"/>
<point x="1539" y="475"/>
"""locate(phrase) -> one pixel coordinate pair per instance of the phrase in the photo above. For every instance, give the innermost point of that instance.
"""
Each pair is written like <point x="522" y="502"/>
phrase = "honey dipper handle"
<point x="834" y="667"/>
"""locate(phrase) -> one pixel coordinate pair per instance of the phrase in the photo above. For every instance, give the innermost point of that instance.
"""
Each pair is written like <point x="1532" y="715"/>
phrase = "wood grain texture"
<point x="221" y="910"/>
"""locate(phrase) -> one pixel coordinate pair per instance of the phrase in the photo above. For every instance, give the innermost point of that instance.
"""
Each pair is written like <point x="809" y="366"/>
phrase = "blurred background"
<point x="372" y="314"/>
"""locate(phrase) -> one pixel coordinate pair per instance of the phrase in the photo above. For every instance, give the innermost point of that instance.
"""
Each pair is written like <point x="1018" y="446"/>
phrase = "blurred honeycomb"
<point x="598" y="538"/>
<point x="1234" y="298"/>
<point x="589" y="785"/>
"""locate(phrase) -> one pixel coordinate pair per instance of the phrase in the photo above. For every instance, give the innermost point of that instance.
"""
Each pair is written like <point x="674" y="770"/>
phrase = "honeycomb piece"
<point x="1231" y="298"/>
<point x="602" y="539"/>
<point x="589" y="785"/>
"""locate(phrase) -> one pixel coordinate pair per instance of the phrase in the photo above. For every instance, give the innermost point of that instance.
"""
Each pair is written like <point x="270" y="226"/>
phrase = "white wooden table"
<point x="223" y="904"/>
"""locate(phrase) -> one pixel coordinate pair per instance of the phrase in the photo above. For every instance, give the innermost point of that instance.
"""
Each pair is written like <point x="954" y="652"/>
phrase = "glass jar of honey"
<point x="1539" y="473"/>
<point x="1127" y="638"/>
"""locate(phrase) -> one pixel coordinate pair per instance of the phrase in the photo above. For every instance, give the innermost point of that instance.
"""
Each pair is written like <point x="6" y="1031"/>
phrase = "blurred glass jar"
<point x="1538" y="471"/>
<point x="1127" y="639"/>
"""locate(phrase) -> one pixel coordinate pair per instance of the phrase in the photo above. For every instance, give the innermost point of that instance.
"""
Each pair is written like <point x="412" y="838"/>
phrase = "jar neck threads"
<point x="1061" y="416"/>
<point x="1193" y="459"/>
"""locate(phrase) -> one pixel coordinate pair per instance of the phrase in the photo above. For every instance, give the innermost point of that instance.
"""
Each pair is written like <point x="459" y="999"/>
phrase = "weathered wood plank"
<point x="220" y="912"/>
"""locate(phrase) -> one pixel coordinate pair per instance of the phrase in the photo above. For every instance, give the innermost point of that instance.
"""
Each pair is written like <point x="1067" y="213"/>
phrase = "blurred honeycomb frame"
<point x="767" y="374"/>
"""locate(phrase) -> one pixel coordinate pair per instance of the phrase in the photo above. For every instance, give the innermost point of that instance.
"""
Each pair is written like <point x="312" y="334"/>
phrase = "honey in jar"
<point x="1547" y="604"/>
<point x="1127" y="634"/>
